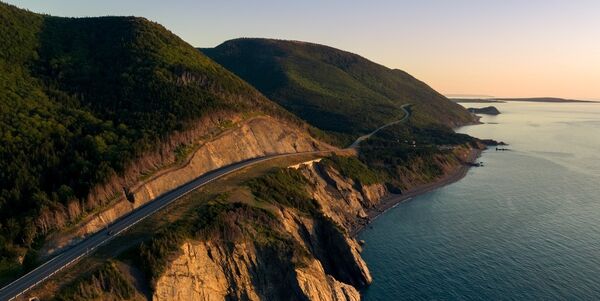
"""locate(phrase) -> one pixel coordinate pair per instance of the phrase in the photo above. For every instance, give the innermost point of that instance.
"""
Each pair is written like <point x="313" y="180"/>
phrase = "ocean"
<point x="526" y="226"/>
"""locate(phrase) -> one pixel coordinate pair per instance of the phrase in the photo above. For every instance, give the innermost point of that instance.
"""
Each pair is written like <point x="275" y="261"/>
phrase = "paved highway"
<point x="91" y="243"/>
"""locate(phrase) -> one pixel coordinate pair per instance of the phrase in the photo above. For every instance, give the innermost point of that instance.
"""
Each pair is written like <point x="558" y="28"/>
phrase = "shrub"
<point x="284" y="186"/>
<point x="105" y="283"/>
<point x="353" y="168"/>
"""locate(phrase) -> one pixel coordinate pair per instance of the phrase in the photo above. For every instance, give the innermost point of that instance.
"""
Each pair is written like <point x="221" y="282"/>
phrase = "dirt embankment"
<point x="252" y="138"/>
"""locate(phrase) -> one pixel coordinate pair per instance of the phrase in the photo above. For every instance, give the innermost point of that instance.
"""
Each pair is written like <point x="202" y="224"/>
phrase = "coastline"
<point x="392" y="200"/>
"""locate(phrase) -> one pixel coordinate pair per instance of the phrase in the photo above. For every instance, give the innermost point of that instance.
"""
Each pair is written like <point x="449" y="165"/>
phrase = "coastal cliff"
<point x="321" y="260"/>
<point x="289" y="237"/>
<point x="324" y="263"/>
<point x="344" y="200"/>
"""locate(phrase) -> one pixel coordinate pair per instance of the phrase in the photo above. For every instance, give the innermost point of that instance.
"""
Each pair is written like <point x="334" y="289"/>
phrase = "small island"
<point x="491" y="110"/>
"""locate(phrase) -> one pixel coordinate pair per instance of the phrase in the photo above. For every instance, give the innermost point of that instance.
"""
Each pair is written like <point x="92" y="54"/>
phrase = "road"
<point x="360" y="139"/>
<point x="91" y="243"/>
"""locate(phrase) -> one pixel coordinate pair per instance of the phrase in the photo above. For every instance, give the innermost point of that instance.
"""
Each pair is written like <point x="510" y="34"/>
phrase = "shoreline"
<point x="392" y="200"/>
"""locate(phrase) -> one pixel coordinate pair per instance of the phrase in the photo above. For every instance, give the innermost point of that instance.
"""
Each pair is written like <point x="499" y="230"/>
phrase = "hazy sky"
<point x="502" y="48"/>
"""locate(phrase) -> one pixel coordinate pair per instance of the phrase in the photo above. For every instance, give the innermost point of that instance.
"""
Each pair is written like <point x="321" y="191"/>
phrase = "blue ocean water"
<point x="524" y="227"/>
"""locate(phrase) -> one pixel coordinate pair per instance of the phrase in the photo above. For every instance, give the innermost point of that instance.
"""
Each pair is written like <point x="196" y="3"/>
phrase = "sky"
<point x="502" y="48"/>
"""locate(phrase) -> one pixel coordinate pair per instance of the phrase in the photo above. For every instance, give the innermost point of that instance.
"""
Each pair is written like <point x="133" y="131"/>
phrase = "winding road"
<point x="91" y="243"/>
<point x="360" y="139"/>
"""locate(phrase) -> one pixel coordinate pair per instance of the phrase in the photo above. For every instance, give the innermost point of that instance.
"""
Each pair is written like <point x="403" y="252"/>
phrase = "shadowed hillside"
<point x="333" y="89"/>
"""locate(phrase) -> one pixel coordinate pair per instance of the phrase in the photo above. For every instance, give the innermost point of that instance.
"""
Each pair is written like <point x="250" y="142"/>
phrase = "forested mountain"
<point x="333" y="89"/>
<point x="80" y="99"/>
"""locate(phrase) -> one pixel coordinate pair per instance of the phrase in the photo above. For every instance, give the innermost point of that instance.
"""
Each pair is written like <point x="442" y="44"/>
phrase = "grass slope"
<point x="333" y="89"/>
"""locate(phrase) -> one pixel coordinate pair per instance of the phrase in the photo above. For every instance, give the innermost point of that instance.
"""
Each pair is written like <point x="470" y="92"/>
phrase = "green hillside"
<point x="333" y="89"/>
<point x="80" y="99"/>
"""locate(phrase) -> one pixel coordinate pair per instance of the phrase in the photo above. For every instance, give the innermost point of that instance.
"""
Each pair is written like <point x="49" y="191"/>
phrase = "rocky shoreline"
<point x="392" y="200"/>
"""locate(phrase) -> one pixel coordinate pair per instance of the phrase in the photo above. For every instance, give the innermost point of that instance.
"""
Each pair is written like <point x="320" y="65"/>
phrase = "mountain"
<point x="333" y="89"/>
<point x="91" y="105"/>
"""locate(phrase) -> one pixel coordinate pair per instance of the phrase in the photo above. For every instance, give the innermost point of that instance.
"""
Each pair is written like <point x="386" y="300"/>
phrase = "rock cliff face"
<point x="256" y="137"/>
<point x="343" y="200"/>
<point x="211" y="271"/>
<point x="331" y="268"/>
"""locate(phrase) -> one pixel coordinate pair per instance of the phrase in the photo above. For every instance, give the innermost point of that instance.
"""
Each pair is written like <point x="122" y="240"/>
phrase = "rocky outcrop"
<point x="205" y="271"/>
<point x="330" y="269"/>
<point x="343" y="200"/>
<point x="316" y="285"/>
<point x="212" y="270"/>
<point x="256" y="137"/>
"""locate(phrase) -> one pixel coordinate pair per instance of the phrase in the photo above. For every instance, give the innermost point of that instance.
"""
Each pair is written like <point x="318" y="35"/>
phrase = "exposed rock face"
<point x="332" y="268"/>
<point x="342" y="199"/>
<point x="209" y="271"/>
<point x="212" y="271"/>
<point x="205" y="271"/>
<point x="316" y="285"/>
<point x="253" y="138"/>
<point x="256" y="138"/>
